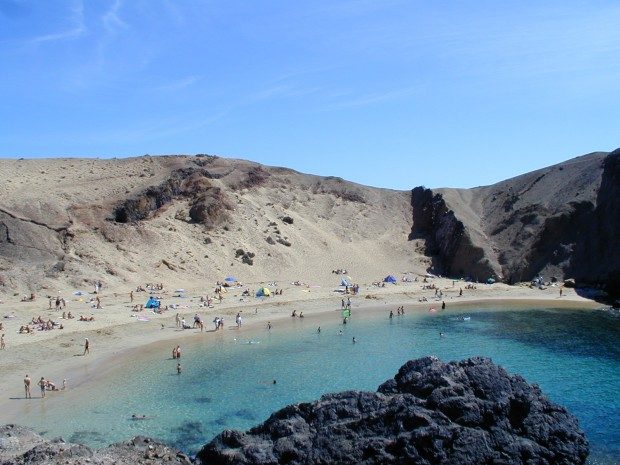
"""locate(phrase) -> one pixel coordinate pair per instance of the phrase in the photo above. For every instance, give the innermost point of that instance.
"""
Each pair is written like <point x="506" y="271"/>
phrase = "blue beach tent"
<point x="152" y="303"/>
<point x="230" y="279"/>
<point x="390" y="279"/>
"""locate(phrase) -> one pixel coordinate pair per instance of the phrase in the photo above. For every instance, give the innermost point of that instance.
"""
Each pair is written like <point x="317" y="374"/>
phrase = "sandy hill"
<point x="192" y="220"/>
<point x="187" y="220"/>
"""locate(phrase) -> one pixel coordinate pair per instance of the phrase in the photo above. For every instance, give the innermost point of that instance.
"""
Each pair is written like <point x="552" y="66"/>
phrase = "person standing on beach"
<point x="178" y="351"/>
<point x="27" y="383"/>
<point x="177" y="319"/>
<point x="42" y="385"/>
<point x="178" y="368"/>
<point x="131" y="296"/>
<point x="86" y="346"/>
<point x="2" y="343"/>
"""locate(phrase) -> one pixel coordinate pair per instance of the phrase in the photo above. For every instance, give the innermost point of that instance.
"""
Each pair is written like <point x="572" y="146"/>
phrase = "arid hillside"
<point x="562" y="221"/>
<point x="193" y="220"/>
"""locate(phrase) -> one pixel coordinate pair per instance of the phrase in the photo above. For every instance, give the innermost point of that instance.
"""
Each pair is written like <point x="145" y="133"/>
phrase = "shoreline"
<point x="118" y="340"/>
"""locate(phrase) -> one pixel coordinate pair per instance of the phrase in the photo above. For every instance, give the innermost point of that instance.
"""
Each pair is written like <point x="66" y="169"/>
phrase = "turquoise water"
<point x="227" y="382"/>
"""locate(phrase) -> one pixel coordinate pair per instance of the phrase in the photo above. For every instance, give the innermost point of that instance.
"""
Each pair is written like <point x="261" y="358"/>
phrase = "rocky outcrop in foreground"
<point x="468" y="412"/>
<point x="21" y="446"/>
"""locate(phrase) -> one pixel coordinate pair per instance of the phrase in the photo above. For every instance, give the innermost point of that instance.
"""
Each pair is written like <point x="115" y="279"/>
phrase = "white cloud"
<point x="77" y="29"/>
<point x="111" y="18"/>
<point x="375" y="98"/>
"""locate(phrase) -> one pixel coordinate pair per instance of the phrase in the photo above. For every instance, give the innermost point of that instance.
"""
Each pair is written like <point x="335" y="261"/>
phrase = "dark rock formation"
<point x="559" y="221"/>
<point x="597" y="255"/>
<point x="210" y="208"/>
<point x="21" y="446"/>
<point x="208" y="203"/>
<point x="36" y="238"/>
<point x="447" y="241"/>
<point x="468" y="412"/>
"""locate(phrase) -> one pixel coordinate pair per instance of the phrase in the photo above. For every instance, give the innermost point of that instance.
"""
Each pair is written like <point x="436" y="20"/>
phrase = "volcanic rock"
<point x="467" y="412"/>
<point x="22" y="446"/>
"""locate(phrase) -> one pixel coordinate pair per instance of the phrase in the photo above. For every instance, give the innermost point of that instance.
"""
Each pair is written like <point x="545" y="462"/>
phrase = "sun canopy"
<point x="390" y="279"/>
<point x="152" y="303"/>
<point x="263" y="292"/>
<point x="344" y="282"/>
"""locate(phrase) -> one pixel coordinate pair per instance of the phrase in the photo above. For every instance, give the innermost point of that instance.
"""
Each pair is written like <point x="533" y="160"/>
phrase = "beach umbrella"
<point x="263" y="292"/>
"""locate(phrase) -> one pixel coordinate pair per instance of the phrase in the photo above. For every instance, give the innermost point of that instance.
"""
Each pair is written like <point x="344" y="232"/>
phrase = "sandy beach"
<point x="116" y="330"/>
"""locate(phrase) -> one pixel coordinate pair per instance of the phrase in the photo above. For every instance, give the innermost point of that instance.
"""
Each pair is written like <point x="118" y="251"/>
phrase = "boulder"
<point x="467" y="412"/>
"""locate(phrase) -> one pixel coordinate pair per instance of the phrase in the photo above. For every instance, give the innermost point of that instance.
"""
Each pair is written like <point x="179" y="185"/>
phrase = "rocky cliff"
<point x="559" y="221"/>
<point x="468" y="412"/>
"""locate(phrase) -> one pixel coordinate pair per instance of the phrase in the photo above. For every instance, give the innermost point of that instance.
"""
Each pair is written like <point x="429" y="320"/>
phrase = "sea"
<point x="234" y="379"/>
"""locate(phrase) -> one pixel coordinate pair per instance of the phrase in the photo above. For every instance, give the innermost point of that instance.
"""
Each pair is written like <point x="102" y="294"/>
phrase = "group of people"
<point x="352" y="289"/>
<point x="39" y="324"/>
<point x="59" y="303"/>
<point x="399" y="312"/>
<point x="198" y="322"/>
<point x="44" y="385"/>
<point x="218" y="322"/>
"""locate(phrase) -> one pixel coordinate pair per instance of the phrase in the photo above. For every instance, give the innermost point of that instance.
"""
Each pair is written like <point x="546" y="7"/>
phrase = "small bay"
<point x="227" y="379"/>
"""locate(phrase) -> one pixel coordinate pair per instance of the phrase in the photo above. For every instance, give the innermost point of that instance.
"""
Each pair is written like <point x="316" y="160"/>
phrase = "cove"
<point x="227" y="377"/>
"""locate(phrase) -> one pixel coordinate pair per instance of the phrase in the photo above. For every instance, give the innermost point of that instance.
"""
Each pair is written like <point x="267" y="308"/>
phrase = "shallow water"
<point x="227" y="379"/>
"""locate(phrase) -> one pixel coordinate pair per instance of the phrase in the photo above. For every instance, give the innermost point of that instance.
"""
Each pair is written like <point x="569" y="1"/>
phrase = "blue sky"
<point x="387" y="93"/>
